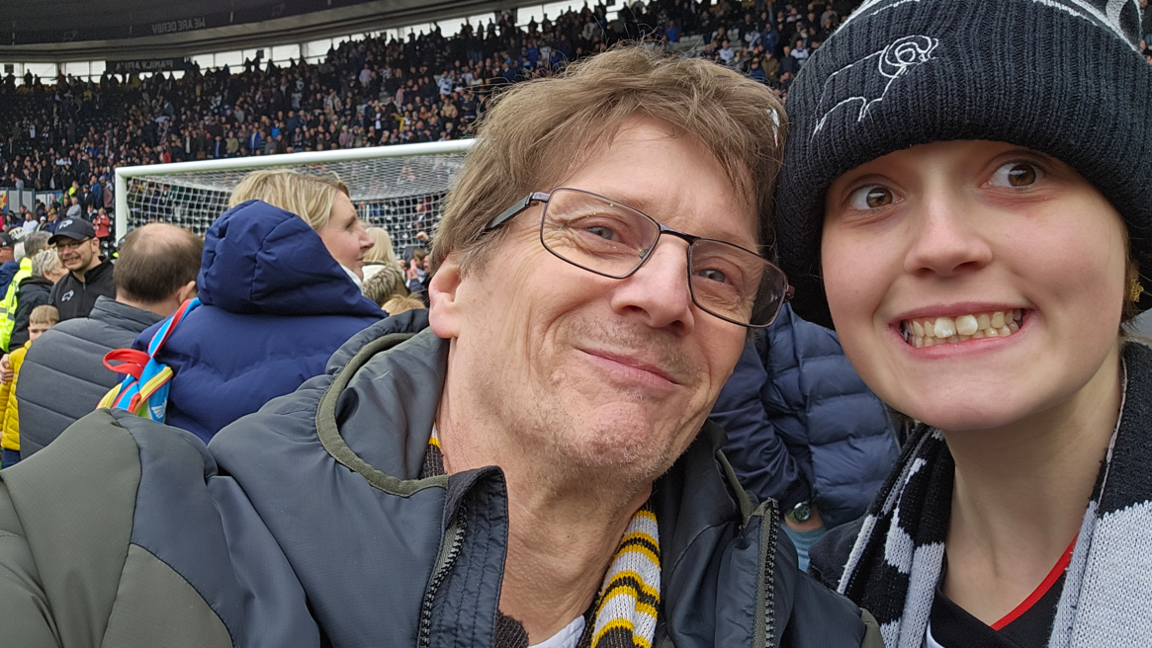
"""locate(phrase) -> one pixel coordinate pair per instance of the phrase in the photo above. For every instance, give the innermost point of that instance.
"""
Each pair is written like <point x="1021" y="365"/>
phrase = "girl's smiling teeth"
<point x="927" y="331"/>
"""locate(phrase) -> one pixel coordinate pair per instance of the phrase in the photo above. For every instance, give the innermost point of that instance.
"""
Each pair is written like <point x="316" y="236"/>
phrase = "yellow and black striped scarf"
<point x="624" y="612"/>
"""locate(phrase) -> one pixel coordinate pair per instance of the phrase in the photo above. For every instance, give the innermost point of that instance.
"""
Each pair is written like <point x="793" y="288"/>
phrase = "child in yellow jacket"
<point x="41" y="319"/>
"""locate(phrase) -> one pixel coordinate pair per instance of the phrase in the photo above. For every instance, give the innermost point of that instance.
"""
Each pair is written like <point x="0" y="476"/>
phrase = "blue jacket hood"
<point x="262" y="259"/>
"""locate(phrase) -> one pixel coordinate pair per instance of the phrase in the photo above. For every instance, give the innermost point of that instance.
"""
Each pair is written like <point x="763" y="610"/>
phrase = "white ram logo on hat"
<point x="869" y="79"/>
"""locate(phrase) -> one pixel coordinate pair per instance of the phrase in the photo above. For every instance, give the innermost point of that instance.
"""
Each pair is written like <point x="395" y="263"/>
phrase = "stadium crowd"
<point x="366" y="92"/>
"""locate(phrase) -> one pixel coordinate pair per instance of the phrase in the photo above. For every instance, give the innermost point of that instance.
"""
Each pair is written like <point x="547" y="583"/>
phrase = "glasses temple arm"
<point x="512" y="211"/>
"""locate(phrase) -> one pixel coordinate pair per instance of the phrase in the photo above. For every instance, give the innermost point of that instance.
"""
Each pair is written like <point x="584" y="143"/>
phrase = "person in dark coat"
<point x="276" y="302"/>
<point x="8" y="265"/>
<point x="89" y="275"/>
<point x="804" y="430"/>
<point x="64" y="376"/>
<point x="35" y="291"/>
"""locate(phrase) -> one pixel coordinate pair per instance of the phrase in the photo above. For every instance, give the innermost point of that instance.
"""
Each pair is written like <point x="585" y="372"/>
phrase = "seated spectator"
<point x="34" y="291"/>
<point x="51" y="221"/>
<point x="43" y="317"/>
<point x="418" y="273"/>
<point x="30" y="223"/>
<point x="74" y="210"/>
<point x="279" y="286"/>
<point x="89" y="275"/>
<point x="726" y="52"/>
<point x="64" y="375"/>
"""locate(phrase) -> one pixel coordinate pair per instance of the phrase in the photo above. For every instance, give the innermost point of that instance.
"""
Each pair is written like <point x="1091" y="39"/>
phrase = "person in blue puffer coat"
<point x="279" y="295"/>
<point x="804" y="429"/>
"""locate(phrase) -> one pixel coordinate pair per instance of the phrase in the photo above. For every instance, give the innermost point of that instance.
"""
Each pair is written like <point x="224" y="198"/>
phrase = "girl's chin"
<point x="949" y="413"/>
<point x="956" y="422"/>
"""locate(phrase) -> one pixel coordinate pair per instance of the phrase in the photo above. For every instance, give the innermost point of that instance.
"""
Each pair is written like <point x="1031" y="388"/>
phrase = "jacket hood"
<point x="263" y="259"/>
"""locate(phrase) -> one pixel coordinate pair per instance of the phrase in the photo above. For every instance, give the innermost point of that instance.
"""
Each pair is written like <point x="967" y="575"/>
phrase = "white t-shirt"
<point x="568" y="636"/>
<point x="352" y="275"/>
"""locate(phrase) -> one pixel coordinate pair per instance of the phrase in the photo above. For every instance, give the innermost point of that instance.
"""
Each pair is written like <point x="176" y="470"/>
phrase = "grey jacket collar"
<point x="121" y="315"/>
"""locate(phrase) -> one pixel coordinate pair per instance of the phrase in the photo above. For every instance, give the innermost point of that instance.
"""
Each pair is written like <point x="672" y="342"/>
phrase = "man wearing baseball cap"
<point x="89" y="275"/>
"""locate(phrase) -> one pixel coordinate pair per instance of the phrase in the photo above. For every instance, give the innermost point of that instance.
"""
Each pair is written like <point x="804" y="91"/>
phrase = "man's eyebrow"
<point x="710" y="231"/>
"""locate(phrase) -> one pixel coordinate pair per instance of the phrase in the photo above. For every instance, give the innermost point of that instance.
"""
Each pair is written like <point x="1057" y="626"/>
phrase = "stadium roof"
<point x="61" y="30"/>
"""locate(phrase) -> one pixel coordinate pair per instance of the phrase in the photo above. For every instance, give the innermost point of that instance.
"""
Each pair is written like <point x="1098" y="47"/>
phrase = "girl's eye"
<point x="1016" y="174"/>
<point x="871" y="197"/>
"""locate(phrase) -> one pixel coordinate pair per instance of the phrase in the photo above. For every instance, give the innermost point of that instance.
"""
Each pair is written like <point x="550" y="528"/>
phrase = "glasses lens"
<point x="596" y="233"/>
<point x="735" y="284"/>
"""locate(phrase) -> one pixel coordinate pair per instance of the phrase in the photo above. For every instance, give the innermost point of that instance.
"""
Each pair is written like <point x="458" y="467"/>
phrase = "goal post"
<point x="400" y="187"/>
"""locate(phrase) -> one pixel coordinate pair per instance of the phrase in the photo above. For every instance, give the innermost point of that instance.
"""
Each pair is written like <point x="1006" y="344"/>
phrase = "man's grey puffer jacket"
<point x="305" y="525"/>
<point x="63" y="376"/>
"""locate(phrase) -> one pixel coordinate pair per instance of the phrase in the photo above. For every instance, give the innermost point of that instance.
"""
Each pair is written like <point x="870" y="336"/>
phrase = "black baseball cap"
<point x="76" y="229"/>
<point x="6" y="241"/>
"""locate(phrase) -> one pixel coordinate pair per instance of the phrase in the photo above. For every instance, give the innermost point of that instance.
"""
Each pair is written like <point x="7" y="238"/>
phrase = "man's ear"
<point x="186" y="292"/>
<point x="444" y="299"/>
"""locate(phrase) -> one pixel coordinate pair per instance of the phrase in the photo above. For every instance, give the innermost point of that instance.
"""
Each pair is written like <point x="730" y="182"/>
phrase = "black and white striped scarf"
<point x="895" y="563"/>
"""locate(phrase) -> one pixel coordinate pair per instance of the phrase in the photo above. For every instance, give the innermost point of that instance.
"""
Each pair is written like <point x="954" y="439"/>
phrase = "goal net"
<point x="400" y="188"/>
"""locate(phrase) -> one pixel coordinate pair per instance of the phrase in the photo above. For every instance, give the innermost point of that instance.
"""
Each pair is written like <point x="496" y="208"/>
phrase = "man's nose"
<point x="658" y="291"/>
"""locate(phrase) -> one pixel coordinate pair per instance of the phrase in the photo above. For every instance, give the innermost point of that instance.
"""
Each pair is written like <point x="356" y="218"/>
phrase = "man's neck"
<point x="163" y="309"/>
<point x="563" y="528"/>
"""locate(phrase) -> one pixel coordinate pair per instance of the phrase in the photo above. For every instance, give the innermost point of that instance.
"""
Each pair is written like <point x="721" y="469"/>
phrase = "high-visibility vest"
<point x="8" y="304"/>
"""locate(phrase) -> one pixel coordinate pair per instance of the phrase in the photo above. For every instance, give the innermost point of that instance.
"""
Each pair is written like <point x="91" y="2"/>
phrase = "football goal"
<point x="400" y="188"/>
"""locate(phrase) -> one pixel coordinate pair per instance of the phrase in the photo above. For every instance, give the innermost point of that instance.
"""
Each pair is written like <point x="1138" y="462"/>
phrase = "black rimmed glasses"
<point x="611" y="239"/>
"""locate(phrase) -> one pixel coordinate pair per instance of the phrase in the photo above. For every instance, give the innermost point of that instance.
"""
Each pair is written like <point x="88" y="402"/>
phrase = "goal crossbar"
<point x="124" y="174"/>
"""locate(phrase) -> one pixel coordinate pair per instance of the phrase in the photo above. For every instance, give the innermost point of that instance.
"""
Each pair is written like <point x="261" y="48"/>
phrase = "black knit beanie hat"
<point x="1063" y="77"/>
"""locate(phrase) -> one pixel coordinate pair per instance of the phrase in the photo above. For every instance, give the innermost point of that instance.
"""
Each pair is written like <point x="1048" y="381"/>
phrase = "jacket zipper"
<point x="449" y="552"/>
<point x="765" y="624"/>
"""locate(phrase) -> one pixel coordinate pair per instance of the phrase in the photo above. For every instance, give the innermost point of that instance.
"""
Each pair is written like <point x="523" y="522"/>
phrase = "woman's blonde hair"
<point x="399" y="304"/>
<point x="308" y="196"/>
<point x="381" y="251"/>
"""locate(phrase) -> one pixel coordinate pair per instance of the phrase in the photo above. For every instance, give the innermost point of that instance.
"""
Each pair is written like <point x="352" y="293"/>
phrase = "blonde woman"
<point x="383" y="277"/>
<point x="322" y="202"/>
<point x="279" y="283"/>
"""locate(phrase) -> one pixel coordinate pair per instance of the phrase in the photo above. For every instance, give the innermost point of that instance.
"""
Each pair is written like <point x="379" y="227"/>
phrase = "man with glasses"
<point x="89" y="275"/>
<point x="527" y="463"/>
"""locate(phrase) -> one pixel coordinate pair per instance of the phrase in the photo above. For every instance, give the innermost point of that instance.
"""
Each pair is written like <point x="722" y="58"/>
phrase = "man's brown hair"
<point x="540" y="131"/>
<point x="155" y="261"/>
